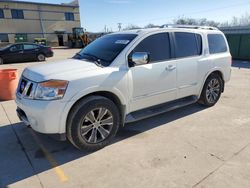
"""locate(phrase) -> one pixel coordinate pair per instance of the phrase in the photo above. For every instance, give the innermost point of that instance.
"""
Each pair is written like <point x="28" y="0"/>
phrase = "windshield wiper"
<point x="95" y="59"/>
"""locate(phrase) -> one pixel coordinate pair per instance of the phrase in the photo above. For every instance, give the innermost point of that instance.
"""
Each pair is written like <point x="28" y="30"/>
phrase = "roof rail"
<point x="188" y="26"/>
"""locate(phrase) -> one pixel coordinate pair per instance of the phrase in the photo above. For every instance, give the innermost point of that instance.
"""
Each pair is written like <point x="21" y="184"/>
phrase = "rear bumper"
<point x="49" y="54"/>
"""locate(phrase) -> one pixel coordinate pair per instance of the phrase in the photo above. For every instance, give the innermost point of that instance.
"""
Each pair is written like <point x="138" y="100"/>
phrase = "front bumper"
<point x="22" y="116"/>
<point x="43" y="116"/>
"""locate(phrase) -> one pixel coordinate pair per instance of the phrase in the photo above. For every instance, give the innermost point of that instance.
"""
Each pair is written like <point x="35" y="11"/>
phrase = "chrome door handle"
<point x="170" y="67"/>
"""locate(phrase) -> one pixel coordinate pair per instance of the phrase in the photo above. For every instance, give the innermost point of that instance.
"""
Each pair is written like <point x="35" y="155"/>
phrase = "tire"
<point x="41" y="57"/>
<point x="1" y="61"/>
<point x="211" y="91"/>
<point x="86" y="128"/>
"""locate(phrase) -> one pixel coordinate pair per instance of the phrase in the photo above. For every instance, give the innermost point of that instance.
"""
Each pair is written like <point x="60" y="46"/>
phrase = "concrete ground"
<point x="189" y="147"/>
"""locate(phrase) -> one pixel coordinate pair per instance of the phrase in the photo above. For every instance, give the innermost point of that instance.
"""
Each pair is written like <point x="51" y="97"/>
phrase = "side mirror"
<point x="140" y="58"/>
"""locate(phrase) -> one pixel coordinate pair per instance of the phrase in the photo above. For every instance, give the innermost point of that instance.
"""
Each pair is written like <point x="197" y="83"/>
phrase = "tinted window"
<point x="158" y="47"/>
<point x="4" y="38"/>
<point x="187" y="44"/>
<point x="17" y="14"/>
<point x="199" y="43"/>
<point x="29" y="46"/>
<point x="1" y="13"/>
<point x="16" y="47"/>
<point x="69" y="16"/>
<point x="216" y="43"/>
<point x="106" y="48"/>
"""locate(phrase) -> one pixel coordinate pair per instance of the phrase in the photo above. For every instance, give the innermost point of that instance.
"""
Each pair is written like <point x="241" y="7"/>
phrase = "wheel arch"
<point x="107" y="94"/>
<point x="214" y="71"/>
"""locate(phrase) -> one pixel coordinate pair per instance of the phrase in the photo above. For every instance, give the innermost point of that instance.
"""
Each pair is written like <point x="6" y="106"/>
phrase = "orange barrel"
<point x="8" y="84"/>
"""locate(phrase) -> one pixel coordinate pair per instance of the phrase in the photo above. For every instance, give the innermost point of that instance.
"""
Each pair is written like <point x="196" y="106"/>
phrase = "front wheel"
<point x="93" y="123"/>
<point x="211" y="91"/>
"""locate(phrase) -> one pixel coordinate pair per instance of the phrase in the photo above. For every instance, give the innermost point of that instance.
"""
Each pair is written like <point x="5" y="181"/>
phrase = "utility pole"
<point x="119" y="26"/>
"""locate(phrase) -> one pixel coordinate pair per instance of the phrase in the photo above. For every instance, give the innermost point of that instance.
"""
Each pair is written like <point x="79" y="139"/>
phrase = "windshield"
<point x="105" y="49"/>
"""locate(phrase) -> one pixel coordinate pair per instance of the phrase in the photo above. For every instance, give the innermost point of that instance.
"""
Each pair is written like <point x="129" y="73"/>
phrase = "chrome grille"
<point x="26" y="88"/>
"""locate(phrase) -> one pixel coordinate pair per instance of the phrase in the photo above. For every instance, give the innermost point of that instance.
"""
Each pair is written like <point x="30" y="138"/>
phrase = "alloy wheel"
<point x="41" y="57"/>
<point x="96" y="125"/>
<point x="213" y="90"/>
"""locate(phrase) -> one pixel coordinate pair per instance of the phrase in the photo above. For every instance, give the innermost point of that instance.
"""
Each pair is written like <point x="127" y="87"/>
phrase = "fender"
<point x="80" y="95"/>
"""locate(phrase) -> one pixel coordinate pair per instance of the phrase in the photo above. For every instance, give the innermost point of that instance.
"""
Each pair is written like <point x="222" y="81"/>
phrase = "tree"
<point x="243" y="20"/>
<point x="131" y="26"/>
<point x="150" y="25"/>
<point x="192" y="21"/>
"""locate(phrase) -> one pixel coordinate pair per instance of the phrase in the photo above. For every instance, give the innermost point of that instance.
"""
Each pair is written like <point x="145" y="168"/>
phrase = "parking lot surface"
<point x="189" y="147"/>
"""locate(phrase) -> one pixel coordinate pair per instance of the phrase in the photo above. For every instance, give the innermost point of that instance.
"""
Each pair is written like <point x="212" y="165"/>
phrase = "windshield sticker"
<point x="122" y="42"/>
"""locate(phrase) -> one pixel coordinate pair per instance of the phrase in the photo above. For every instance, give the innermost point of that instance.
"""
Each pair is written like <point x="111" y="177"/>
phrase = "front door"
<point x="15" y="54"/>
<point x="60" y="40"/>
<point x="155" y="82"/>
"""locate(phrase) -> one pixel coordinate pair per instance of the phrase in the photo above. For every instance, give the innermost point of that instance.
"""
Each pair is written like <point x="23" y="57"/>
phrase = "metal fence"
<point x="239" y="41"/>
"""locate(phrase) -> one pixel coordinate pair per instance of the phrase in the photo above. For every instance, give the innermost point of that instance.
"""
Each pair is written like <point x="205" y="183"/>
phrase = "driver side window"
<point x="16" y="47"/>
<point x="157" y="46"/>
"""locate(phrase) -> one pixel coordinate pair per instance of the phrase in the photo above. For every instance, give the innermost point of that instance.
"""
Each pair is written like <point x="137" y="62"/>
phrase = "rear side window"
<point x="29" y="46"/>
<point x="157" y="45"/>
<point x="187" y="44"/>
<point x="217" y="43"/>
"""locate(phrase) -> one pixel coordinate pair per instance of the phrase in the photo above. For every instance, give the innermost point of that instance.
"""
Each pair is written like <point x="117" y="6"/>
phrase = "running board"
<point x="159" y="109"/>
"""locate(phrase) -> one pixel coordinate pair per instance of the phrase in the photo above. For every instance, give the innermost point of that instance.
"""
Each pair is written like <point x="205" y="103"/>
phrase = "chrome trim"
<point x="24" y="93"/>
<point x="153" y="94"/>
<point x="26" y="89"/>
<point x="187" y="86"/>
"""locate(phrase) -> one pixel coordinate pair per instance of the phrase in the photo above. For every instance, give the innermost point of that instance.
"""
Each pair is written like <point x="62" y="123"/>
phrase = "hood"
<point x="58" y="70"/>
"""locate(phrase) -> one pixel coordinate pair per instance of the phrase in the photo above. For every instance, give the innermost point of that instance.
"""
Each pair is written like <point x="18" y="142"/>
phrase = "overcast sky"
<point x="95" y="14"/>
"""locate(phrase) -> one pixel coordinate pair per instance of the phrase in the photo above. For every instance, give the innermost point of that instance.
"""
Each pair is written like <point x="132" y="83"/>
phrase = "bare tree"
<point x="243" y="20"/>
<point x="131" y="26"/>
<point x="192" y="21"/>
<point x="150" y="25"/>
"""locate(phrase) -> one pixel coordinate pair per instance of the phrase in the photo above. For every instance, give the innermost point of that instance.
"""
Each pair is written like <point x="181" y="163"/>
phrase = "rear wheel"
<point x="211" y="91"/>
<point x="1" y="61"/>
<point x="93" y="123"/>
<point x="41" y="57"/>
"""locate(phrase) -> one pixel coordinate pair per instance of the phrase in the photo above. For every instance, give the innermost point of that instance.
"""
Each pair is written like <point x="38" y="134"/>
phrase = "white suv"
<point x="123" y="77"/>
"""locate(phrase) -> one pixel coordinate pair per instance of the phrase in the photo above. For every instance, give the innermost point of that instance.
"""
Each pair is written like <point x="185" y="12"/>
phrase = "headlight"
<point x="51" y="90"/>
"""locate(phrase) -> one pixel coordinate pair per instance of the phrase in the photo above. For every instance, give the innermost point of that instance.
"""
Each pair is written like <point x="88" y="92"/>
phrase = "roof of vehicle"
<point x="171" y="27"/>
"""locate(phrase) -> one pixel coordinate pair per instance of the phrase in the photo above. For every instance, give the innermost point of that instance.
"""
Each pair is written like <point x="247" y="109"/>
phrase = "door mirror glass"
<point x="140" y="58"/>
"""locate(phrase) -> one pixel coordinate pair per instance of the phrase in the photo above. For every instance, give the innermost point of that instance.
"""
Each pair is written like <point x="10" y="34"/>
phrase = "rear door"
<point x="188" y="50"/>
<point x="30" y="51"/>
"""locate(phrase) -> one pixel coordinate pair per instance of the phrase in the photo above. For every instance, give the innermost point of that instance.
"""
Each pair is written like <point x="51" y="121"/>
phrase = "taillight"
<point x="50" y="49"/>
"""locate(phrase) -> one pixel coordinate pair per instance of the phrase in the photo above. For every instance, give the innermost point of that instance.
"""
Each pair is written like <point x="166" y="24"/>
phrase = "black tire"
<point x="41" y="57"/>
<point x="211" y="91"/>
<point x="1" y="61"/>
<point x="79" y="117"/>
